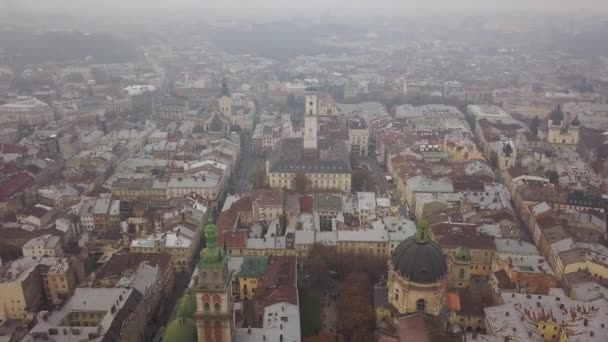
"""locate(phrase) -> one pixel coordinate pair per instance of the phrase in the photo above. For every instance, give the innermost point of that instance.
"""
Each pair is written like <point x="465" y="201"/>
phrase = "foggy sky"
<point x="209" y="9"/>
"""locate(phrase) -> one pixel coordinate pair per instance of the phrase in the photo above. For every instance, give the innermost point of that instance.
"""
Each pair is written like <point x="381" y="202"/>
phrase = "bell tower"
<point x="225" y="101"/>
<point x="213" y="292"/>
<point x="310" y="126"/>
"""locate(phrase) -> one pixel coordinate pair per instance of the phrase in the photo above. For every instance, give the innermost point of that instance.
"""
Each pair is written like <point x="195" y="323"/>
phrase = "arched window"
<point x="207" y="307"/>
<point x="461" y="273"/>
<point x="420" y="305"/>
<point x="217" y="307"/>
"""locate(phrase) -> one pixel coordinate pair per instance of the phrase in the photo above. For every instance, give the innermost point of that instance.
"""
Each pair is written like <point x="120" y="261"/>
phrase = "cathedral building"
<point x="560" y="132"/>
<point x="228" y="112"/>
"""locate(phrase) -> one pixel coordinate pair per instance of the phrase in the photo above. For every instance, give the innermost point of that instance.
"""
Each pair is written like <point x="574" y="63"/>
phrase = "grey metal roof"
<point x="420" y="262"/>
<point x="290" y="158"/>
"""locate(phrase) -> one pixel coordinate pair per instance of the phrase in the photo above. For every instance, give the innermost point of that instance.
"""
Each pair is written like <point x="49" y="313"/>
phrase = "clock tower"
<point x="310" y="127"/>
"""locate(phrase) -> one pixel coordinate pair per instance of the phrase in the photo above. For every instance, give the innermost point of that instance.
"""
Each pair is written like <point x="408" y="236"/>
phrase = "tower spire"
<point x="225" y="90"/>
<point x="422" y="231"/>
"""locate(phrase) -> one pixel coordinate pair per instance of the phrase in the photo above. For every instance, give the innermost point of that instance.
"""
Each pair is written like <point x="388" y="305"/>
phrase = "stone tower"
<point x="507" y="156"/>
<point x="213" y="292"/>
<point x="459" y="268"/>
<point x="225" y="101"/>
<point x="310" y="126"/>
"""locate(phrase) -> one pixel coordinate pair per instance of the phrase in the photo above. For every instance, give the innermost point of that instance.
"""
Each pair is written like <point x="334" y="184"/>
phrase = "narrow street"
<point x="239" y="183"/>
<point x="382" y="186"/>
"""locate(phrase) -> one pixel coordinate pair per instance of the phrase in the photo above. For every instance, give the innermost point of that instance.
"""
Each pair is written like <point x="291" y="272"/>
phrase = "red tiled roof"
<point x="232" y="239"/>
<point x="546" y="221"/>
<point x="279" y="282"/>
<point x="451" y="235"/>
<point x="227" y="219"/>
<point x="264" y="197"/>
<point x="9" y="169"/>
<point x="10" y="148"/>
<point x="306" y="204"/>
<point x="15" y="185"/>
<point x="453" y="301"/>
<point x="118" y="264"/>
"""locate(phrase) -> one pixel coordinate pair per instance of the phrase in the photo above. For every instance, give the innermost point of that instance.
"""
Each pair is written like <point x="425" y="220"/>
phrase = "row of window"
<point x="217" y="307"/>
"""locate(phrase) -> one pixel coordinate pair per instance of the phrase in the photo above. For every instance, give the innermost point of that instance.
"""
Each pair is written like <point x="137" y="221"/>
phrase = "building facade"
<point x="214" y="293"/>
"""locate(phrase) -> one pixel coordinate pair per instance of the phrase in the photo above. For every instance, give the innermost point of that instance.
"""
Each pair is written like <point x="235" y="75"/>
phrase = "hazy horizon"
<point x="276" y="9"/>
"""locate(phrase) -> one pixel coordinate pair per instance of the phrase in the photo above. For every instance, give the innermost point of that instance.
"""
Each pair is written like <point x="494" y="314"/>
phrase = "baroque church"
<point x="228" y="113"/>
<point x="420" y="289"/>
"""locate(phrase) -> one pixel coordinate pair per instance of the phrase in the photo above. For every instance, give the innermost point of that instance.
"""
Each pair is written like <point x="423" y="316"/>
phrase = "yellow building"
<point x="60" y="279"/>
<point x="454" y="236"/>
<point x="21" y="291"/>
<point x="317" y="181"/>
<point x="581" y="259"/>
<point x="252" y="270"/>
<point x="364" y="241"/>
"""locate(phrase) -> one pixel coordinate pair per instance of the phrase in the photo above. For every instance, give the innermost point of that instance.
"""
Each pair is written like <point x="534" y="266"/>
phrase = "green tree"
<point x="356" y="316"/>
<point x="318" y="267"/>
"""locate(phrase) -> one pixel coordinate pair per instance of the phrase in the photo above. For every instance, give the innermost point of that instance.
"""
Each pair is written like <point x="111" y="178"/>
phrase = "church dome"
<point x="181" y="330"/>
<point x="419" y="261"/>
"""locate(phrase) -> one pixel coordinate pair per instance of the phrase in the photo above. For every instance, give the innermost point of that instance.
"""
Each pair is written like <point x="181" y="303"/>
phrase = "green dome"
<point x="181" y="330"/>
<point x="462" y="254"/>
<point x="211" y="234"/>
<point x="187" y="305"/>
